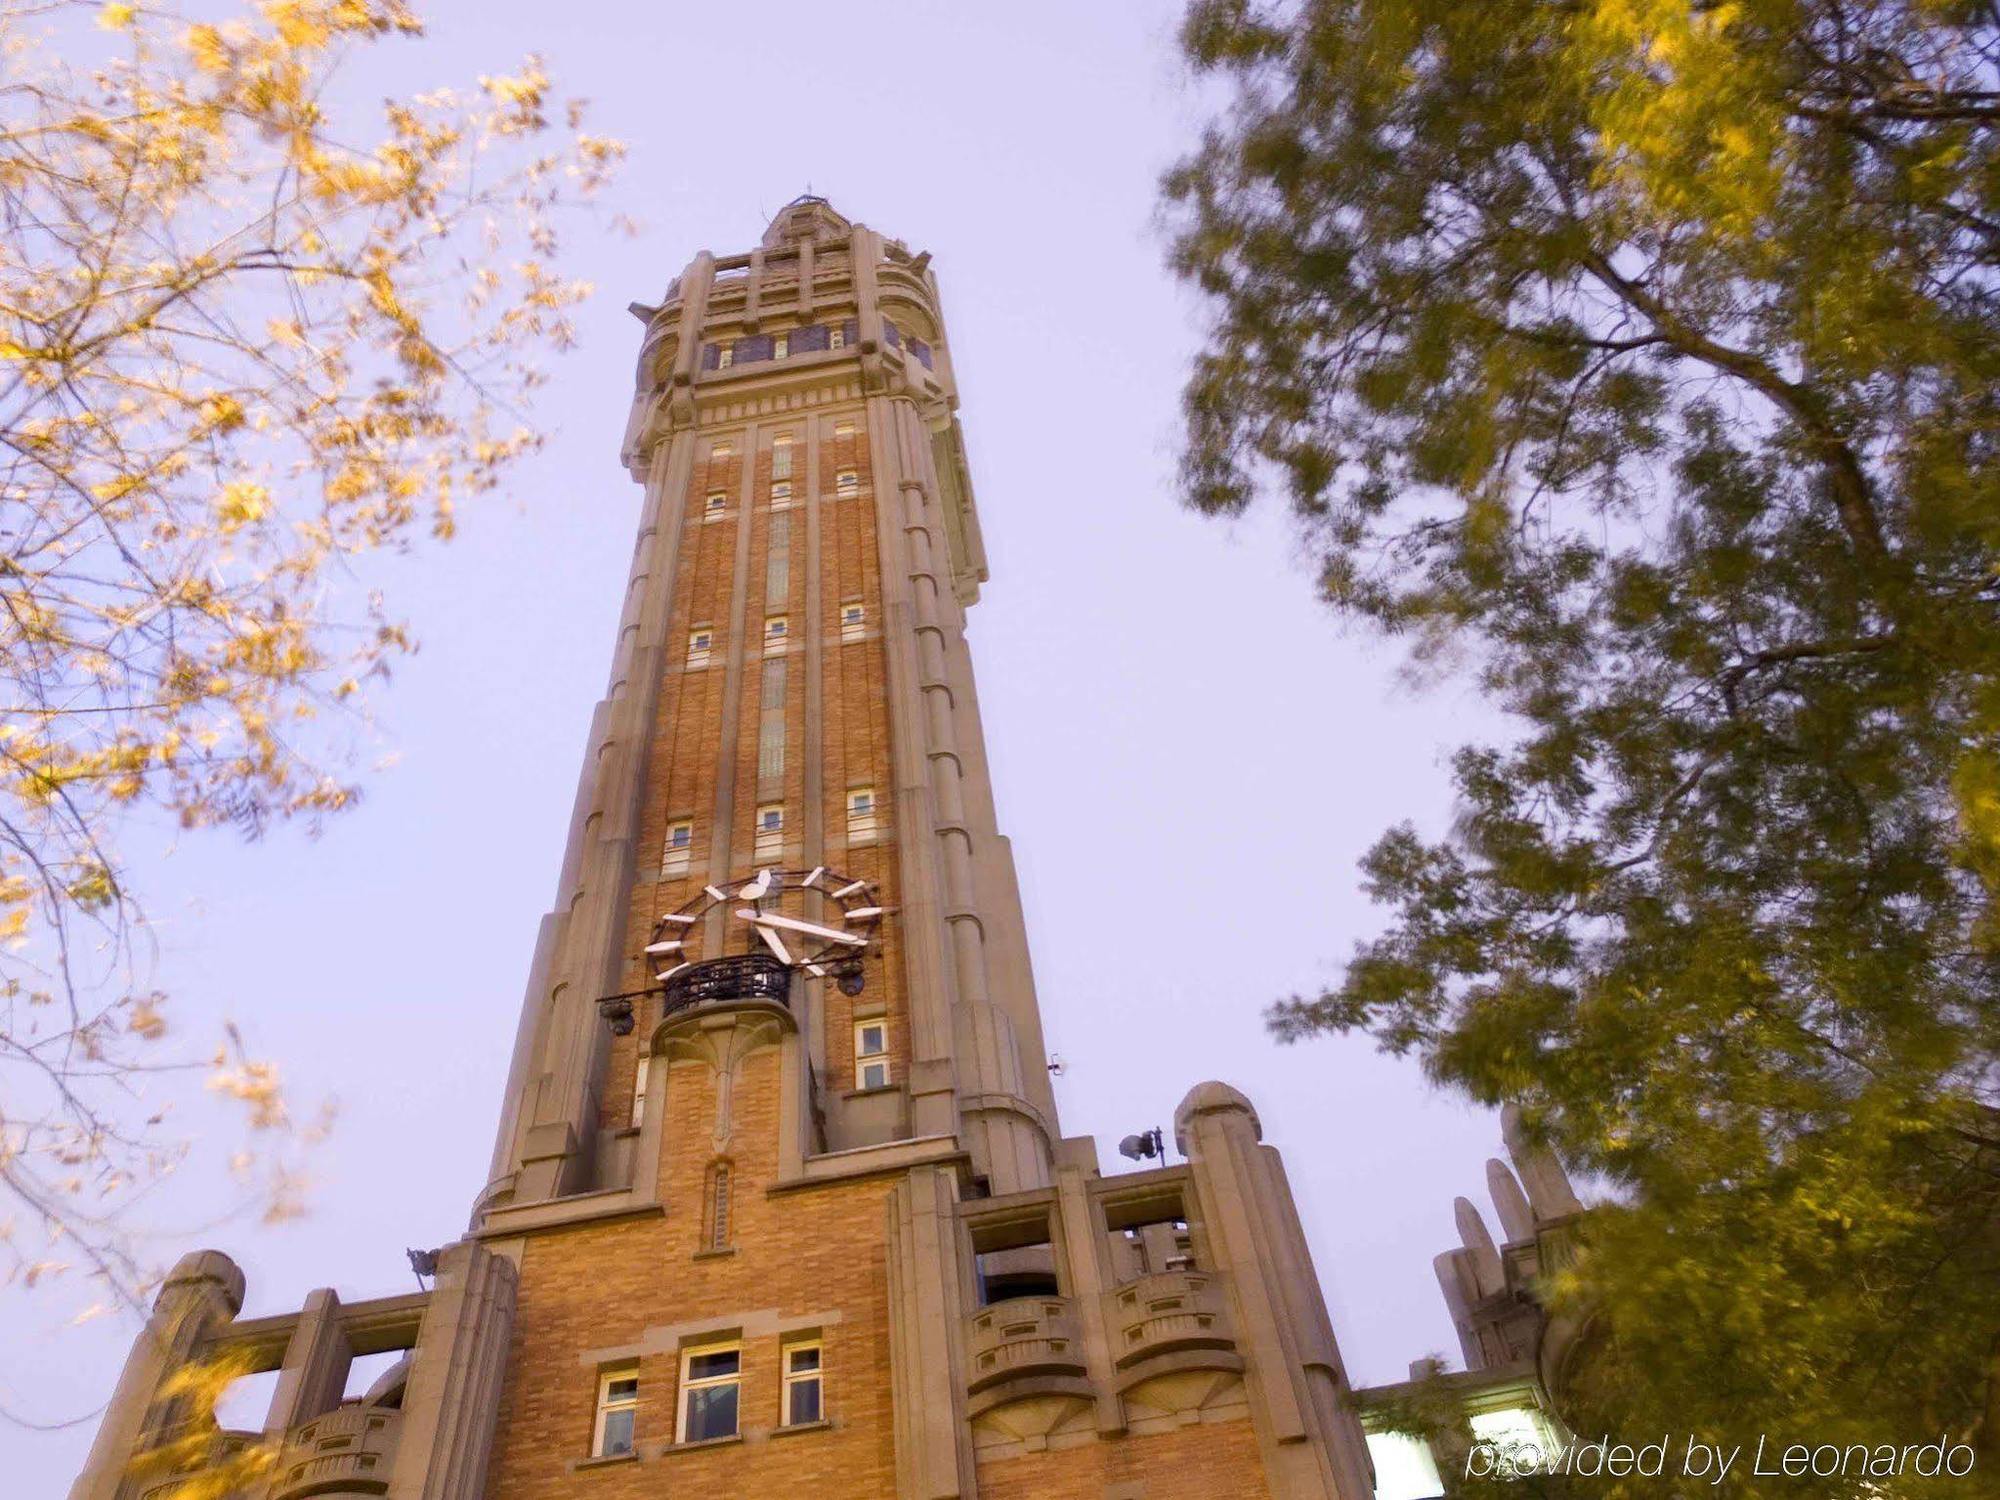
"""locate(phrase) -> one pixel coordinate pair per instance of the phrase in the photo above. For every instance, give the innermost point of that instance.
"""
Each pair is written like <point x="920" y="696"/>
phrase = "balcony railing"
<point x="348" y="1451"/>
<point x="1169" y="1312"/>
<point x="1023" y="1336"/>
<point x="714" y="981"/>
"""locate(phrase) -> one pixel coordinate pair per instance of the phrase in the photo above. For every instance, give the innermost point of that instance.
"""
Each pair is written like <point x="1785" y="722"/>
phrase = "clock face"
<point x="817" y="920"/>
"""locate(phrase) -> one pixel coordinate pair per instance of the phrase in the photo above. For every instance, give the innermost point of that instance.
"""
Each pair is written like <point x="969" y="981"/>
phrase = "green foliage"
<point x="1646" y="354"/>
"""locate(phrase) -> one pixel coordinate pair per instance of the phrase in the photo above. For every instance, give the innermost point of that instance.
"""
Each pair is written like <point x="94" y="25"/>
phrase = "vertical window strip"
<point x="771" y="722"/>
<point x="778" y="563"/>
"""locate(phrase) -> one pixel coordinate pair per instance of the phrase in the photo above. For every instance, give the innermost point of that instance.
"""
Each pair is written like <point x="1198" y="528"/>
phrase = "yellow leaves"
<point x="206" y="47"/>
<point x="241" y="503"/>
<point x="117" y="17"/>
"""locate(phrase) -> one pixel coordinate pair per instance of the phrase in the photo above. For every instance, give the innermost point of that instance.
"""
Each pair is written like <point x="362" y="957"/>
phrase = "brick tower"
<point x="778" y="1199"/>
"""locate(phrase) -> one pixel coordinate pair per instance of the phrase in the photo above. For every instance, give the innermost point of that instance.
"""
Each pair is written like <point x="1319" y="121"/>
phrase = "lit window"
<point x="617" y="1410"/>
<point x="777" y="631"/>
<point x="846" y="483"/>
<point x="836" y="337"/>
<point x="716" y="506"/>
<point x="641" y="1076"/>
<point x="1404" y="1467"/>
<point x="726" y="358"/>
<point x="853" y="621"/>
<point x="861" y="815"/>
<point x="700" y="643"/>
<point x="709" y="1381"/>
<point x="871" y="1054"/>
<point x="680" y="843"/>
<point x="770" y="830"/>
<point x="781" y="346"/>
<point x="781" y="493"/>
<point x="843" y="429"/>
<point x="802" y="1385"/>
<point x="781" y="456"/>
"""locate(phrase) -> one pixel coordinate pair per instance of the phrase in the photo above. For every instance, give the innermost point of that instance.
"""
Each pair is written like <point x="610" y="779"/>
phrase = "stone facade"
<point x="850" y="1174"/>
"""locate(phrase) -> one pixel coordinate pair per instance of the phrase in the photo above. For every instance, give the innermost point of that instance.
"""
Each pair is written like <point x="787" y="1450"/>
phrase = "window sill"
<point x="887" y="1088"/>
<point x="794" y="1429"/>
<point x="722" y="1253"/>
<point x="605" y="1460"/>
<point x="700" y="1445"/>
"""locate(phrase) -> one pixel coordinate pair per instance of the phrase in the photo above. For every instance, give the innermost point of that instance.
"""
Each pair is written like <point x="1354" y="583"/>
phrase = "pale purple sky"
<point x="1190" y="753"/>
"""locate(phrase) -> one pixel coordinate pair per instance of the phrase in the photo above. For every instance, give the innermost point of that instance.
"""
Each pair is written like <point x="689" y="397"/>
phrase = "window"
<point x="853" y="621"/>
<point x="843" y="429"/>
<point x="617" y="1409"/>
<point x="846" y="483"/>
<point x="802" y="1388"/>
<point x="709" y="1381"/>
<point x="871" y="1054"/>
<point x="771" y="722"/>
<point x="777" y="631"/>
<point x="680" y="845"/>
<point x="715" y="1208"/>
<point x="861" y="815"/>
<point x="641" y="1076"/>
<point x="770" y="830"/>
<point x="781" y="456"/>
<point x="700" y="643"/>
<point x="781" y="493"/>
<point x="722" y="450"/>
<point x="778" y="563"/>
<point x="715" y="507"/>
<point x="726" y="357"/>
<point x="836" y="337"/>
<point x="781" y="346"/>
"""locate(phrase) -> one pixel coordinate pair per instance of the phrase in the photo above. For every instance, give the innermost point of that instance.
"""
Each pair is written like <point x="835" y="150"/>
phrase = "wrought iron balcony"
<point x="714" y="981"/>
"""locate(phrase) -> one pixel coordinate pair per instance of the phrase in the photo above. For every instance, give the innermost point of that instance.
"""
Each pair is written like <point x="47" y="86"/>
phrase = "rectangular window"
<point x="770" y="830"/>
<point x="680" y="845"/>
<point x="836" y="337"/>
<point x="802" y="1385"/>
<point x="781" y="456"/>
<point x="617" y="1409"/>
<point x="781" y="494"/>
<point x="771" y="722"/>
<point x="778" y="563"/>
<point x="777" y="631"/>
<point x="846" y="483"/>
<point x="709" y="1381"/>
<point x="871" y="1054"/>
<point x="700" y="643"/>
<point x="853" y="621"/>
<point x="726" y="357"/>
<point x="641" y="1076"/>
<point x="861" y="815"/>
<point x="716" y="506"/>
<point x="781" y="346"/>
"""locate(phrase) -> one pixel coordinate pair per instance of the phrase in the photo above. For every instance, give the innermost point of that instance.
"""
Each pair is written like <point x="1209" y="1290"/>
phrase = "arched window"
<point x="715" y="1207"/>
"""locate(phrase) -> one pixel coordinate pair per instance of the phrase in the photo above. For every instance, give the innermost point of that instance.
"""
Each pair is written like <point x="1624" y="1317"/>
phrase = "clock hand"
<point x="810" y="929"/>
<point x="776" y="945"/>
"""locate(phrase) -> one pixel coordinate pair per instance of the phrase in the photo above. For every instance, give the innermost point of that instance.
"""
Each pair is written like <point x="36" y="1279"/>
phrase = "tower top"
<point x="806" y="217"/>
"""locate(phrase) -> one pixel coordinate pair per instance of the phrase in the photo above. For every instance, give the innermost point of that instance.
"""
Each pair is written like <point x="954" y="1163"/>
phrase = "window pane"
<point x="617" y="1431"/>
<point x="875" y="1076"/>
<point x="804" y="1401"/>
<point x="872" y="1041"/>
<point x="708" y="1366"/>
<point x="711" y="1412"/>
<point x="622" y="1390"/>
<point x="802" y="1360"/>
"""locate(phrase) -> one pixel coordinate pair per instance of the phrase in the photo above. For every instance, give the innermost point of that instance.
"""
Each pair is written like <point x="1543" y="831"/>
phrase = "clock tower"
<point x="778" y="1197"/>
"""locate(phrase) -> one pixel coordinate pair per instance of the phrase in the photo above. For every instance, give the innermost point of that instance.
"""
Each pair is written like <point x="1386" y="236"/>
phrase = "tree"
<point x="250" y="330"/>
<point x="1643" y="358"/>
